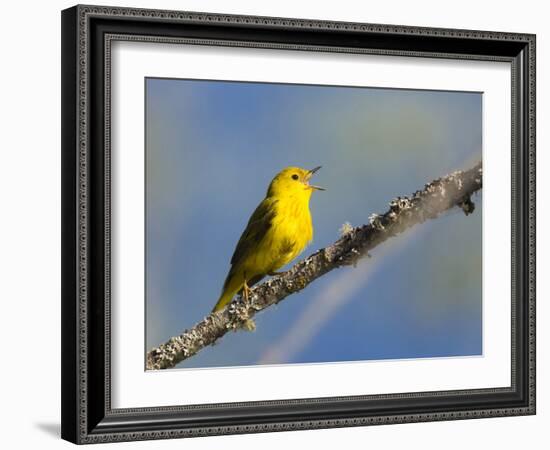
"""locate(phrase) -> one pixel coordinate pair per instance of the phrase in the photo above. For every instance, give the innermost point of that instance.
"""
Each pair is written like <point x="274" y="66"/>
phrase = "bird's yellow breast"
<point x="290" y="232"/>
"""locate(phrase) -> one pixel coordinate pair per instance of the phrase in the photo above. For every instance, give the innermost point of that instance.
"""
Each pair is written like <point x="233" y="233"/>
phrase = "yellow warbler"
<point x="278" y="231"/>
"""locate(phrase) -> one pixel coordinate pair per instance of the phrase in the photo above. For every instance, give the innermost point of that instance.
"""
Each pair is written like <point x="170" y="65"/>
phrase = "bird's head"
<point x="293" y="181"/>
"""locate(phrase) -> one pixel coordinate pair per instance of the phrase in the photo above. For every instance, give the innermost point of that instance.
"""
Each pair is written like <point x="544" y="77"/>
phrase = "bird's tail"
<point x="224" y="299"/>
<point x="231" y="286"/>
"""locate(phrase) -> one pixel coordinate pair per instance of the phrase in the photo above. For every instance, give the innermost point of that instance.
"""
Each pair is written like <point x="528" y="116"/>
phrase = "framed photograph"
<point x="279" y="224"/>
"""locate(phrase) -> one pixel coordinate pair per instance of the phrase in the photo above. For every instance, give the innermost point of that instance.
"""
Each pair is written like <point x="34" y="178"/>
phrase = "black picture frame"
<point x="87" y="416"/>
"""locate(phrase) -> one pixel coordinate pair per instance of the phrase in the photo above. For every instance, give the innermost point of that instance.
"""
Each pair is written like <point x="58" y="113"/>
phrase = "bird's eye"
<point x="294" y="176"/>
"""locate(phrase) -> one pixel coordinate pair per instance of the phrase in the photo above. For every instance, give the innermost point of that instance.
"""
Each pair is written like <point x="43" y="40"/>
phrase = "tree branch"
<point x="437" y="197"/>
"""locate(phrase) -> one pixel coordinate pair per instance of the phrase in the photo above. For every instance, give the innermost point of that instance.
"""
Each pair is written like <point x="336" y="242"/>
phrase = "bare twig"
<point x="435" y="198"/>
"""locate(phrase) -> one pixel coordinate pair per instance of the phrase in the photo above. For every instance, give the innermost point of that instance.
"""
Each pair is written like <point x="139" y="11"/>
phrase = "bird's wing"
<point x="259" y="224"/>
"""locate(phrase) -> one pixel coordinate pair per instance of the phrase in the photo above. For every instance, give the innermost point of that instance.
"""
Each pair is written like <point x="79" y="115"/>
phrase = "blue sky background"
<point x="211" y="150"/>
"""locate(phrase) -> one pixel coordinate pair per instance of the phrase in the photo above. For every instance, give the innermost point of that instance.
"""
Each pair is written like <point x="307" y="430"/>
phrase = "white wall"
<point x="30" y="225"/>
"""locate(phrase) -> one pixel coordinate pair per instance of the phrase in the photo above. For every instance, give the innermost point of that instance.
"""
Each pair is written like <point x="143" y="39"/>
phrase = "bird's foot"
<point x="247" y="323"/>
<point x="246" y="294"/>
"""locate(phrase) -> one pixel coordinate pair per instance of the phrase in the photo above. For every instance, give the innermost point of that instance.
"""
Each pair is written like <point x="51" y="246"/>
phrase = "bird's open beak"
<point x="309" y="175"/>
<point x="312" y="171"/>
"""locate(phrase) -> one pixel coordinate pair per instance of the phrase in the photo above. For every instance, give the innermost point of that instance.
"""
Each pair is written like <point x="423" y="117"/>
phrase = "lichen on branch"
<point x="434" y="199"/>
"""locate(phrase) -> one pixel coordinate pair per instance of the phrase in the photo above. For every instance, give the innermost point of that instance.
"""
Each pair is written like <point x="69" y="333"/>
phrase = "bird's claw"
<point x="246" y="294"/>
